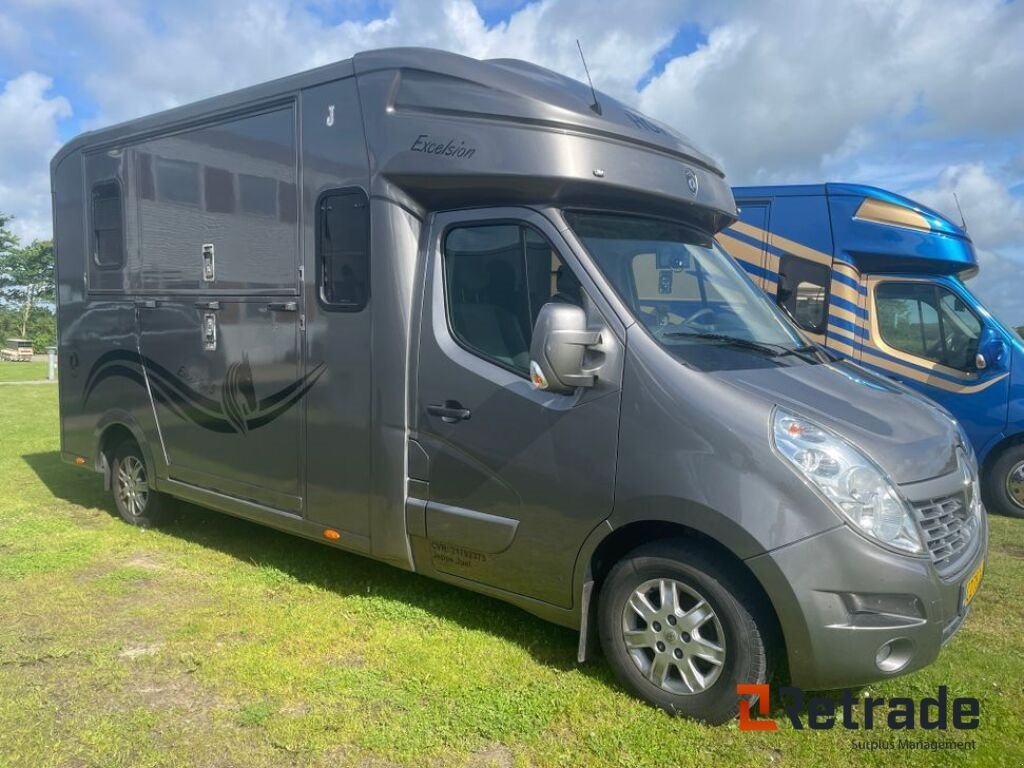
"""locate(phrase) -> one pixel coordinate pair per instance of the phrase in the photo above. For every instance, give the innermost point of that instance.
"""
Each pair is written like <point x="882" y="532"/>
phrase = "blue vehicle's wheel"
<point x="1005" y="483"/>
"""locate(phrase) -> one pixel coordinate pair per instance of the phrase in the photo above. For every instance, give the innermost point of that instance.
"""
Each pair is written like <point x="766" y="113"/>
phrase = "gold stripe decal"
<point x="894" y="215"/>
<point x="784" y="243"/>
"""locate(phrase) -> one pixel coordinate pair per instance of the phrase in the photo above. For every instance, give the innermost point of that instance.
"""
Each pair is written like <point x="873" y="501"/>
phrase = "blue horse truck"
<point x="879" y="278"/>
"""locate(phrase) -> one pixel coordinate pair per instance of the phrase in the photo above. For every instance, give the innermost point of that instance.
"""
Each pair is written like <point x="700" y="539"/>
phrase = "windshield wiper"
<point x="807" y="352"/>
<point x="735" y="341"/>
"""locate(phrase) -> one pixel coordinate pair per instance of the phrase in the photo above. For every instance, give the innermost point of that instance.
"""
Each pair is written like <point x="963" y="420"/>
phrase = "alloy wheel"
<point x="673" y="636"/>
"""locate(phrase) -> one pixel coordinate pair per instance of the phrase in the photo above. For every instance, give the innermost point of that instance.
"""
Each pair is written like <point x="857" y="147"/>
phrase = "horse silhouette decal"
<point x="239" y="410"/>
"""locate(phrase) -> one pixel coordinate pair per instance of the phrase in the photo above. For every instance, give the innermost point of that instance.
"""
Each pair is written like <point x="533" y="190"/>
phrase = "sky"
<point x="922" y="97"/>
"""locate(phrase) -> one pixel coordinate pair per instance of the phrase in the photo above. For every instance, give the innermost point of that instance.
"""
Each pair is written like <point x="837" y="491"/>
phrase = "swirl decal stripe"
<point x="238" y="411"/>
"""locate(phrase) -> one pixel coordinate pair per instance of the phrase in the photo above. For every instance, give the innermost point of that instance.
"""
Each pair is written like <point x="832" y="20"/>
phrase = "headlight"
<point x="856" y="486"/>
<point x="964" y="440"/>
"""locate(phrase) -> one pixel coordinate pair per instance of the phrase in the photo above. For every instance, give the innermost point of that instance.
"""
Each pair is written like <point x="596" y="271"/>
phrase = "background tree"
<point x="26" y="287"/>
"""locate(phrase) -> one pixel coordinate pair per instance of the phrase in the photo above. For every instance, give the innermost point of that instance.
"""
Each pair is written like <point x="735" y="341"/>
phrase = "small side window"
<point x="107" y="226"/>
<point x="804" y="292"/>
<point x="343" y="250"/>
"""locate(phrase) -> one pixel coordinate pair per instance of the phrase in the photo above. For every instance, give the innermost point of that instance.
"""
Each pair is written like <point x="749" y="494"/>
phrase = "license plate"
<point x="972" y="584"/>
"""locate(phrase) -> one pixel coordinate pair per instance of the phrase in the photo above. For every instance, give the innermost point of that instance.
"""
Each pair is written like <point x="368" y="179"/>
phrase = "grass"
<point x="30" y="371"/>
<point x="215" y="642"/>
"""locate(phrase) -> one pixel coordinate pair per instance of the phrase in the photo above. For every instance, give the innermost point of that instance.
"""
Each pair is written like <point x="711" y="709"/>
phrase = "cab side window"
<point x="804" y="292"/>
<point x="343" y="250"/>
<point x="497" y="277"/>
<point x="107" y="226"/>
<point x="928" y="321"/>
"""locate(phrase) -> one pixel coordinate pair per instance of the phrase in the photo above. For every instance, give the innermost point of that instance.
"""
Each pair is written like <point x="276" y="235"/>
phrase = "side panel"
<point x="215" y="280"/>
<point x="232" y="184"/>
<point x="227" y="416"/>
<point x="338" y="413"/>
<point x="95" y="319"/>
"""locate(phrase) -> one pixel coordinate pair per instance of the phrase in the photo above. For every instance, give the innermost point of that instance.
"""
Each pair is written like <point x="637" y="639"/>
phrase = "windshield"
<point x="685" y="289"/>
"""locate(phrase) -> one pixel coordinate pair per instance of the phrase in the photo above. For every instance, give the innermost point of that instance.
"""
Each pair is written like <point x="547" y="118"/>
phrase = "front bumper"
<point x="840" y="598"/>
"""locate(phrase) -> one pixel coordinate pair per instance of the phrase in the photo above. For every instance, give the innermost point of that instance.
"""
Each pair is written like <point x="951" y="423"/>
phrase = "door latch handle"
<point x="451" y="412"/>
<point x="283" y="306"/>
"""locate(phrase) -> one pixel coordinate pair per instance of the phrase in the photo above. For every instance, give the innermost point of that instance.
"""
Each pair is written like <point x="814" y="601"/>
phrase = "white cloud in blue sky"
<point x="921" y="96"/>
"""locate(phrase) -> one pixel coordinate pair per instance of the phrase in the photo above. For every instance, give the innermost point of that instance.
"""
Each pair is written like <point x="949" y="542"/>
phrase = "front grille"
<point x="948" y="526"/>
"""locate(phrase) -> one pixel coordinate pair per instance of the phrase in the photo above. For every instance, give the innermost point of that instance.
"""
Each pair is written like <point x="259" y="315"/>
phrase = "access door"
<point x="517" y="477"/>
<point x="225" y="379"/>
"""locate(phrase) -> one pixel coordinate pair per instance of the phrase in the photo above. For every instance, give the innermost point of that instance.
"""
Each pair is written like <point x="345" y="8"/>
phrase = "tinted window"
<point x="177" y="181"/>
<point x="343" y="250"/>
<point x="107" y="225"/>
<point x="259" y="194"/>
<point x="929" y="322"/>
<point x="219" y="189"/>
<point x="497" y="277"/>
<point x="803" y="292"/>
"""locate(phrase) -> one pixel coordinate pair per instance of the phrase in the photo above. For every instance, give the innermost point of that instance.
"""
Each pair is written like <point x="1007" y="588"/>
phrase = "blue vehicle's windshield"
<point x="682" y="286"/>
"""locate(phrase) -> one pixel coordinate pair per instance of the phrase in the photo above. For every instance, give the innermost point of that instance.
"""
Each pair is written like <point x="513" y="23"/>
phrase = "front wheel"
<point x="1005" y="483"/>
<point x="136" y="502"/>
<point x="678" y="630"/>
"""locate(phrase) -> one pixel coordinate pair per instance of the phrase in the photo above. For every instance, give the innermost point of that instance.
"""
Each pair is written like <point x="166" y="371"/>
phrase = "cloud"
<point x="994" y="217"/>
<point x="995" y="221"/>
<point x="28" y="137"/>
<point x="791" y="92"/>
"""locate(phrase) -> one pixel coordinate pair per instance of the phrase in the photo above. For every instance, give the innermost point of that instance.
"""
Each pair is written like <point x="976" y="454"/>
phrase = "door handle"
<point x="146" y="304"/>
<point x="212" y="306"/>
<point x="451" y="412"/>
<point x="283" y="306"/>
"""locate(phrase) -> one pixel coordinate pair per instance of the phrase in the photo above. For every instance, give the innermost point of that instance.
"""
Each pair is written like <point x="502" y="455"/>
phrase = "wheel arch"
<point x="610" y="542"/>
<point x="115" y="427"/>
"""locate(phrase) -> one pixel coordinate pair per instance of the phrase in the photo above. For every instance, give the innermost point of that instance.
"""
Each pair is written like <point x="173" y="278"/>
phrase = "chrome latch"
<point x="209" y="267"/>
<point x="209" y="332"/>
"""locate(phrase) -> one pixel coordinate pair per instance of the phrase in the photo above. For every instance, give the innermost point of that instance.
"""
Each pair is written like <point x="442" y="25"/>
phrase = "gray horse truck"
<point x="469" y="318"/>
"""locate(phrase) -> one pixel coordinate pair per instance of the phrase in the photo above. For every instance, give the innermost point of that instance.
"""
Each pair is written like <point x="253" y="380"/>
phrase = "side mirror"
<point x="560" y="338"/>
<point x="991" y="351"/>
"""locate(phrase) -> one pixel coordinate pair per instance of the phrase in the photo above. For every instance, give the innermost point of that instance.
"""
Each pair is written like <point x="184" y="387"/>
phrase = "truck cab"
<point x="881" y="279"/>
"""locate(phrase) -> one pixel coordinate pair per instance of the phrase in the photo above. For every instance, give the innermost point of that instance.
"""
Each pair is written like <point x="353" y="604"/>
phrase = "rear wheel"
<point x="679" y="631"/>
<point x="136" y="502"/>
<point x="1005" y="483"/>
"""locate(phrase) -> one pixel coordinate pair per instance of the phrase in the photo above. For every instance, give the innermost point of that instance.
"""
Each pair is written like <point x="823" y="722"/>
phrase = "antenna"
<point x="963" y="221"/>
<point x="596" y="106"/>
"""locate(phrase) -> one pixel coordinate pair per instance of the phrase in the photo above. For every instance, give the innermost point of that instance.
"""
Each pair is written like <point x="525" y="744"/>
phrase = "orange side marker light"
<point x="331" y="534"/>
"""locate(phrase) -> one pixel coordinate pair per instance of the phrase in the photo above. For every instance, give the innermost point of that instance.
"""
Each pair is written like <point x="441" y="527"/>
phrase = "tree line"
<point x="27" y="289"/>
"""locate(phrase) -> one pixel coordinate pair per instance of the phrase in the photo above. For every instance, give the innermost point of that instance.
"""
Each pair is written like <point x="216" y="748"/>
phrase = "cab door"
<point x="517" y="477"/>
<point x="926" y="334"/>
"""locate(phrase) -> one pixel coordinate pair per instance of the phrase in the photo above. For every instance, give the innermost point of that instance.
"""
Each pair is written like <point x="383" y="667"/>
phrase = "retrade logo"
<point x="899" y="713"/>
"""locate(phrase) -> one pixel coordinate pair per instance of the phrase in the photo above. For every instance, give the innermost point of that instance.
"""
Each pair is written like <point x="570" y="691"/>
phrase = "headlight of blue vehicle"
<point x="857" y="488"/>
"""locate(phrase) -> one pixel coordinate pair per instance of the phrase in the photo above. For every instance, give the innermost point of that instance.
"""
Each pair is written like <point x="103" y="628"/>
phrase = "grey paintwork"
<point x="514" y="501"/>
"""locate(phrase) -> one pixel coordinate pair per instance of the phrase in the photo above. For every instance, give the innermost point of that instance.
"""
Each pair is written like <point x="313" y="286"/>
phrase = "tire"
<point x="129" y="482"/>
<point x="668" y="646"/>
<point x="1004" y="483"/>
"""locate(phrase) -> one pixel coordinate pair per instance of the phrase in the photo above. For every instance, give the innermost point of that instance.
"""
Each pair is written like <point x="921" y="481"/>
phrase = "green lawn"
<point x="31" y="371"/>
<point x="215" y="642"/>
